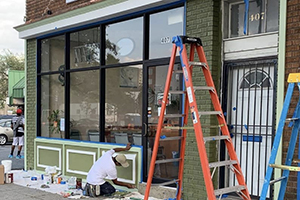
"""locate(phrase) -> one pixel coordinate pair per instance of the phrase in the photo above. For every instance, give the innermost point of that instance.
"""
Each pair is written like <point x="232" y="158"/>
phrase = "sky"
<point x="12" y="13"/>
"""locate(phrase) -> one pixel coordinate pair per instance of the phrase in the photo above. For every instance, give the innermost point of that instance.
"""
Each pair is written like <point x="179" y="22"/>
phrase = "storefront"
<point x="95" y="77"/>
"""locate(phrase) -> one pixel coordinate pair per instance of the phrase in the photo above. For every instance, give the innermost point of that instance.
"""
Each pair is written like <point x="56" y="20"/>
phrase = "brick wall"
<point x="204" y="21"/>
<point x="37" y="10"/>
<point x="292" y="66"/>
<point x="30" y="102"/>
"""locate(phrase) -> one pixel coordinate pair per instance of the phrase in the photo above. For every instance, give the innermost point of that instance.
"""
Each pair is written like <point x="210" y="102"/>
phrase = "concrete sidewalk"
<point x="16" y="192"/>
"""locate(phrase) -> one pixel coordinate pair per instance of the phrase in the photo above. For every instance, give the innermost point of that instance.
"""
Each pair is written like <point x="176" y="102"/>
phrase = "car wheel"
<point x="3" y="139"/>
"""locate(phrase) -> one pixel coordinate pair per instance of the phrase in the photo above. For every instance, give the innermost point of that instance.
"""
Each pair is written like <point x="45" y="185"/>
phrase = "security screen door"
<point x="251" y="121"/>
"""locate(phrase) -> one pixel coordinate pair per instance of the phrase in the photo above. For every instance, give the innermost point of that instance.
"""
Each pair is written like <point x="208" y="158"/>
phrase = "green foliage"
<point x="54" y="121"/>
<point x="8" y="61"/>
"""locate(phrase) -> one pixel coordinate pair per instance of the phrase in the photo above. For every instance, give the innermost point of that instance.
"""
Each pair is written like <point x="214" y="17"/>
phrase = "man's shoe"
<point x="19" y="157"/>
<point x="10" y="156"/>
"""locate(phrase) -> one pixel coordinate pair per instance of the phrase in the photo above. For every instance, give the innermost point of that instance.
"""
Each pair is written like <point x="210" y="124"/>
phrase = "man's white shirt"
<point x="103" y="168"/>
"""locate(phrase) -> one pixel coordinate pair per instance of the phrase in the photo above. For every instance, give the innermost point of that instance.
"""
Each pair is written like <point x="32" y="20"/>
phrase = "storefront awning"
<point x="18" y="89"/>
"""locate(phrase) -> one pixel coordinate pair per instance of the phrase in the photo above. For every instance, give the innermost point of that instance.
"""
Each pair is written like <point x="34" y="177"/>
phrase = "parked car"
<point x="6" y="133"/>
<point x="6" y="116"/>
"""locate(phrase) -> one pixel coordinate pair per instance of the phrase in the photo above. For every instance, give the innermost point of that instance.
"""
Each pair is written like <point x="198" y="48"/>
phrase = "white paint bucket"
<point x="7" y="165"/>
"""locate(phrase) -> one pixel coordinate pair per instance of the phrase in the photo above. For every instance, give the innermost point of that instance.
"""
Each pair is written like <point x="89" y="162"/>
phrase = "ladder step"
<point x="291" y="119"/>
<point x="286" y="167"/>
<point x="202" y="64"/>
<point x="195" y="88"/>
<point x="167" y="160"/>
<point x="174" y="115"/>
<point x="171" y="138"/>
<point x="210" y="113"/>
<point x="203" y="88"/>
<point x="179" y="127"/>
<point x="165" y="183"/>
<point x="218" y="137"/>
<point x="222" y="163"/>
<point x="237" y="188"/>
<point x="177" y="92"/>
<point x="277" y="180"/>
<point x="178" y="71"/>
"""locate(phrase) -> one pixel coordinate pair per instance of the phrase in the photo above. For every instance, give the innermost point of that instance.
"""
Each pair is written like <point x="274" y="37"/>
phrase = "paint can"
<point x="9" y="178"/>
<point x="78" y="183"/>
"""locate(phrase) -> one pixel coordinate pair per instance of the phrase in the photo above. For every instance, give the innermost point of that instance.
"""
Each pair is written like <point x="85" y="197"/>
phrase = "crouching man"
<point x="105" y="168"/>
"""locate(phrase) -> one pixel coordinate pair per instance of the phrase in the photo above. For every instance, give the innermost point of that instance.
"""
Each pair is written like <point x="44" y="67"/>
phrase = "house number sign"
<point x="165" y="40"/>
<point x="257" y="16"/>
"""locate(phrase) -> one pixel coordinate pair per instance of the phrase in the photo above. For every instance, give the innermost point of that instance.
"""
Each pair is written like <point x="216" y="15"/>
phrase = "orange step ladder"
<point x="179" y="43"/>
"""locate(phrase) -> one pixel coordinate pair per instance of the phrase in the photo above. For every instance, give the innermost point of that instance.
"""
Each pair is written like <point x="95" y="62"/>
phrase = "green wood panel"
<point x="48" y="157"/>
<point x="80" y="162"/>
<point x="125" y="173"/>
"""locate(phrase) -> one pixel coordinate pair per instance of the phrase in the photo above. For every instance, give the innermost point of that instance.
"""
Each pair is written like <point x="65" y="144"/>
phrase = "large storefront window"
<point x="52" y="106"/>
<point x="163" y="26"/>
<point x="262" y="17"/>
<point x="84" y="105"/>
<point x="52" y="53"/>
<point x="123" y="107"/>
<point x="94" y="93"/>
<point x="124" y="41"/>
<point x="85" y="48"/>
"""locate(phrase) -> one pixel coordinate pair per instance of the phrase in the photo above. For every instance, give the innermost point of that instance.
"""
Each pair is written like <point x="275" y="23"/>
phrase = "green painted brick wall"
<point x="30" y="102"/>
<point x="203" y="19"/>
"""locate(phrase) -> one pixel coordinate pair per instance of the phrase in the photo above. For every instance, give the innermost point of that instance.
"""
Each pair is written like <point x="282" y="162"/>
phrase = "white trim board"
<point x="81" y="153"/>
<point x="50" y="149"/>
<point x="124" y="8"/>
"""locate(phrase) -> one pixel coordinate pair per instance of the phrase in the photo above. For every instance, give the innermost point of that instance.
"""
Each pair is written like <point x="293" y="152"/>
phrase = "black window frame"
<point x="102" y="67"/>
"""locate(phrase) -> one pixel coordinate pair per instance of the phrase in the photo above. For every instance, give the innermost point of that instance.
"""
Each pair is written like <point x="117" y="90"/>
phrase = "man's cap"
<point x="19" y="111"/>
<point x="122" y="160"/>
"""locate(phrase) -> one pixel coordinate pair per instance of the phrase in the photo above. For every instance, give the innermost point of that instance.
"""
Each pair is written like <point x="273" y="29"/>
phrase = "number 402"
<point x="256" y="17"/>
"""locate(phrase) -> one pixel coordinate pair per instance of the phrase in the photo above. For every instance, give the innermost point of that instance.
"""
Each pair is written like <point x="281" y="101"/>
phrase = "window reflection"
<point x="167" y="149"/>
<point x="52" y="107"/>
<point x="260" y="18"/>
<point x="124" y="41"/>
<point x="85" y="48"/>
<point x="163" y="26"/>
<point x="52" y="53"/>
<point x="84" y="105"/>
<point x="123" y="107"/>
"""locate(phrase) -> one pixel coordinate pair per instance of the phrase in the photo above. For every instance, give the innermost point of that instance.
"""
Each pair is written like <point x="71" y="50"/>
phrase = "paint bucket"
<point x="7" y="165"/>
<point x="9" y="178"/>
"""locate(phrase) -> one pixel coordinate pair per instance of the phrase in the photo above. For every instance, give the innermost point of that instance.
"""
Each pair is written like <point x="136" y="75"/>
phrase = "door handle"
<point x="146" y="129"/>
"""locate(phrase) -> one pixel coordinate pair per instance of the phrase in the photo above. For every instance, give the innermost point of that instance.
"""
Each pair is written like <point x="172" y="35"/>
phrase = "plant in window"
<point x="54" y="122"/>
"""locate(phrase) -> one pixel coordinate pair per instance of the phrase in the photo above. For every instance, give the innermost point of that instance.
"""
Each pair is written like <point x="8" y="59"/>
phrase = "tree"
<point x="8" y="61"/>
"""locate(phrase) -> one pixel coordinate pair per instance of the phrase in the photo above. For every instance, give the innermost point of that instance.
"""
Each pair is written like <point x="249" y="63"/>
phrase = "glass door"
<point x="168" y="149"/>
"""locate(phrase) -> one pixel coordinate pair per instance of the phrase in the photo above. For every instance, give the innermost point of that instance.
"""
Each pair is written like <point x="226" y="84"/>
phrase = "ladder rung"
<point x="291" y="119"/>
<point x="198" y="64"/>
<point x="218" y="137"/>
<point x="285" y="167"/>
<point x="195" y="88"/>
<point x="177" y="92"/>
<point x="237" y="188"/>
<point x="179" y="128"/>
<point x="165" y="183"/>
<point x="167" y="160"/>
<point x="174" y="115"/>
<point x="222" y="163"/>
<point x="277" y="180"/>
<point x="212" y="126"/>
<point x="210" y="113"/>
<point x="296" y="161"/>
<point x="203" y="88"/>
<point x="171" y="138"/>
<point x="178" y="71"/>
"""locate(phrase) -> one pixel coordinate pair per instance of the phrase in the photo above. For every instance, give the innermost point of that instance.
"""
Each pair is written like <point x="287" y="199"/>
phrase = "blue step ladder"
<point x="294" y="78"/>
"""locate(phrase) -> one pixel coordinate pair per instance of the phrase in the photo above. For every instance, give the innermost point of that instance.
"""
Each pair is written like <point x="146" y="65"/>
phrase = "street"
<point x="5" y="151"/>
